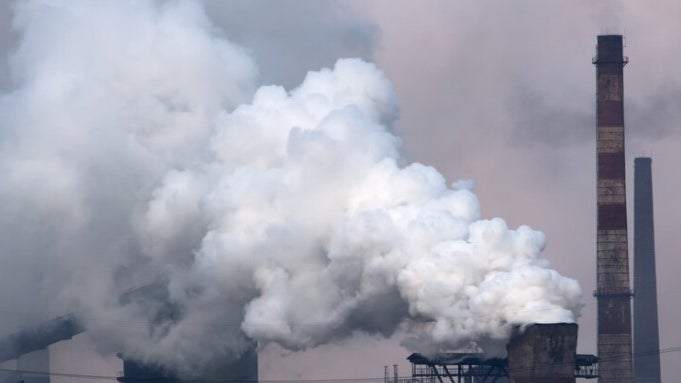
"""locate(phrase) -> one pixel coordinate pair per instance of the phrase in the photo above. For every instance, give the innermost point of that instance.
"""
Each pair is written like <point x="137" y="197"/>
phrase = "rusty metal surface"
<point x="612" y="259"/>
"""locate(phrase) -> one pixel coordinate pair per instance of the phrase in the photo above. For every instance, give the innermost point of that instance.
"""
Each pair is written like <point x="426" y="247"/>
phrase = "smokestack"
<point x="646" y="334"/>
<point x="543" y="353"/>
<point x="612" y="271"/>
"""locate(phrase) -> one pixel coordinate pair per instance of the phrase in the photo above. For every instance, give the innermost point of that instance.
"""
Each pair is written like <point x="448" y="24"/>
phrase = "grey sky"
<point x="501" y="93"/>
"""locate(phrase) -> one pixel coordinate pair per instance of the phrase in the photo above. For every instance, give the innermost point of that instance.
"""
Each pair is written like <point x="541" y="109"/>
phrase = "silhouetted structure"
<point x="39" y="337"/>
<point x="241" y="370"/>
<point x="613" y="290"/>
<point x="154" y="300"/>
<point x="646" y="333"/>
<point x="30" y="349"/>
<point x="541" y="353"/>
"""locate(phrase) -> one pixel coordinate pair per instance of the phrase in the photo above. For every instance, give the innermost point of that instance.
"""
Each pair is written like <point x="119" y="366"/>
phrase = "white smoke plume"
<point x="136" y="151"/>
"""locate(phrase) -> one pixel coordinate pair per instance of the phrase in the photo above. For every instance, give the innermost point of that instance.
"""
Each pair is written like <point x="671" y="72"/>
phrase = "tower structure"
<point x="646" y="332"/>
<point x="613" y="290"/>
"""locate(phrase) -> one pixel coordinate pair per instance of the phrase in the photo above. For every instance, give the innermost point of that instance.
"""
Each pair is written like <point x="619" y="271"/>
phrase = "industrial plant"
<point x="536" y="353"/>
<point x="548" y="352"/>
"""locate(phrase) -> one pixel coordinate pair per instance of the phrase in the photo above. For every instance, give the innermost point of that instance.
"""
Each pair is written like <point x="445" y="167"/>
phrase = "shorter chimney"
<point x="543" y="353"/>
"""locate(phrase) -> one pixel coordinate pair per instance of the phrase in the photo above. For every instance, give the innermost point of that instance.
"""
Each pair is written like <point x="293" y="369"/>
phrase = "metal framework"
<point x="458" y="367"/>
<point x="474" y="368"/>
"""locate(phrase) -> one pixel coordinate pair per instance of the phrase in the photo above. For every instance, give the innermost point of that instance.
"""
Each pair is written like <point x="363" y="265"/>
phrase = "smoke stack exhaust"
<point x="612" y="271"/>
<point x="646" y="332"/>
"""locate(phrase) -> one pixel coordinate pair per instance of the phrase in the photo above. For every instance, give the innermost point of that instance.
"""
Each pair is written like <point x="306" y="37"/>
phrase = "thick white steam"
<point x="135" y="153"/>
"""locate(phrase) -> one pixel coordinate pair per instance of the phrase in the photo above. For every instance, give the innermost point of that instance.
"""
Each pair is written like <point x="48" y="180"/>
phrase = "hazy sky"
<point x="502" y="93"/>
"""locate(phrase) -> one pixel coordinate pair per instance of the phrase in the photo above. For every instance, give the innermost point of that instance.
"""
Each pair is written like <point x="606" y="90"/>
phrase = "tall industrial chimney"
<point x="646" y="333"/>
<point x="612" y="261"/>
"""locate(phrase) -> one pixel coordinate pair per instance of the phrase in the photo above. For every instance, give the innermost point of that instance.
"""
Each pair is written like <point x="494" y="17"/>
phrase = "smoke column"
<point x="139" y="155"/>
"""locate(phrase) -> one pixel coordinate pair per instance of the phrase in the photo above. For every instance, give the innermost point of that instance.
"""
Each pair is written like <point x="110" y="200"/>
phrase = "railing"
<point x="587" y="372"/>
<point x="586" y="366"/>
<point x="391" y="379"/>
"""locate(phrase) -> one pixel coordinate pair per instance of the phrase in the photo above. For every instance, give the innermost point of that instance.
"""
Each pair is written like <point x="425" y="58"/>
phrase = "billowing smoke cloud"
<point x="152" y="189"/>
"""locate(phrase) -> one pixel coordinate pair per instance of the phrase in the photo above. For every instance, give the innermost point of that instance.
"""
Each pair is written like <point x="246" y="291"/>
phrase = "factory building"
<point x="537" y="353"/>
<point x="242" y="370"/>
<point x="547" y="352"/>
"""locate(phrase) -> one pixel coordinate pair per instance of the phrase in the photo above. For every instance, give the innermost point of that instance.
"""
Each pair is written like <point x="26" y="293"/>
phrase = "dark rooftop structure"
<point x="539" y="353"/>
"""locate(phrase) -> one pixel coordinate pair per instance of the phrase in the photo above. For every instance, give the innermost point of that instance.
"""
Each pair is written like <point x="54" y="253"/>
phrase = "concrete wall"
<point x="543" y="353"/>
